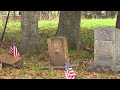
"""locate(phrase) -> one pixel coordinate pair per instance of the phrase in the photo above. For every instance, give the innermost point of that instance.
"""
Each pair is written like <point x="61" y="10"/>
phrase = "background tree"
<point x="69" y="26"/>
<point x="14" y="15"/>
<point x="29" y="41"/>
<point x="118" y="20"/>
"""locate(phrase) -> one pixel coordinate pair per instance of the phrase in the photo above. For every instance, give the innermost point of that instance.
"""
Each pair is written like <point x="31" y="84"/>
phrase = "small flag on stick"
<point x="69" y="72"/>
<point x="13" y="50"/>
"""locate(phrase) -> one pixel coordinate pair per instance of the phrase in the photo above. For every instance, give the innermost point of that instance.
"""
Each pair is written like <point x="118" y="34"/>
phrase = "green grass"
<point x="96" y="23"/>
<point x="48" y="25"/>
<point x="49" y="28"/>
<point x="32" y="64"/>
<point x="53" y="24"/>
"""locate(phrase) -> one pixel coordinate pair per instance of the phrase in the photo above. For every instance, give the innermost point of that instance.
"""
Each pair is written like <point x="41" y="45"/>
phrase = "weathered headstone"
<point x="9" y="60"/>
<point x="58" y="51"/>
<point x="106" y="51"/>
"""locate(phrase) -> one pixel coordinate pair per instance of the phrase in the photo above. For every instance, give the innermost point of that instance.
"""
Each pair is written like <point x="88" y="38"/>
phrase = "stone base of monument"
<point x="104" y="66"/>
<point x="58" y="67"/>
<point x="18" y="65"/>
<point x="8" y="61"/>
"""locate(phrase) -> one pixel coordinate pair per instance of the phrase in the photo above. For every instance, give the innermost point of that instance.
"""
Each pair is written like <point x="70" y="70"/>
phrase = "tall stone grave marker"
<point x="106" y="51"/>
<point x="58" y="51"/>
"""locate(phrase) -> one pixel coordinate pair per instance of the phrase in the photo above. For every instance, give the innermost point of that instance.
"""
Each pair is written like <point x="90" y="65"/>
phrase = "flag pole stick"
<point x="5" y="27"/>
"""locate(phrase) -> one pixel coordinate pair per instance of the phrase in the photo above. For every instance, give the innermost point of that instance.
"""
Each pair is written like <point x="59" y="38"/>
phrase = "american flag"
<point x="69" y="72"/>
<point x="13" y="50"/>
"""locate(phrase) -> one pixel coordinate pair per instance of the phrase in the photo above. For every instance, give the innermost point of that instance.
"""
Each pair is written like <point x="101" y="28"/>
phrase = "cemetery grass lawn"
<point x="33" y="68"/>
<point x="33" y="64"/>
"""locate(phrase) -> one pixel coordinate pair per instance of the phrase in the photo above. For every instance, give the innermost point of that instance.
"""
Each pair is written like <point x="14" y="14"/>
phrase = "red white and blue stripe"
<point x="69" y="72"/>
<point x="13" y="50"/>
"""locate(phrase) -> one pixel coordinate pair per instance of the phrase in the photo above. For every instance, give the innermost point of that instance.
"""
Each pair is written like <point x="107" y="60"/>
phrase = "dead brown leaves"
<point x="32" y="70"/>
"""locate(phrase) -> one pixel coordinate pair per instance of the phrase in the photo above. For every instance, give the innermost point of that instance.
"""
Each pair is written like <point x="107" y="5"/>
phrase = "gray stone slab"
<point x="106" y="50"/>
<point x="57" y="67"/>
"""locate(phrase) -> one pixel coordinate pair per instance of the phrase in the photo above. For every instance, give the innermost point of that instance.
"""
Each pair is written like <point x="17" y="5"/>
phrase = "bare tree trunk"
<point x="14" y="15"/>
<point x="29" y="41"/>
<point x="99" y="14"/>
<point x="69" y="26"/>
<point x="113" y="14"/>
<point x="118" y="20"/>
<point x="44" y="15"/>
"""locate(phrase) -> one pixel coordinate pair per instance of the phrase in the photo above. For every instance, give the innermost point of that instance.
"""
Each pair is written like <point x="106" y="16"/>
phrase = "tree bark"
<point x="69" y="27"/>
<point x="14" y="15"/>
<point x="113" y="14"/>
<point x="44" y="15"/>
<point x="118" y="20"/>
<point x="29" y="41"/>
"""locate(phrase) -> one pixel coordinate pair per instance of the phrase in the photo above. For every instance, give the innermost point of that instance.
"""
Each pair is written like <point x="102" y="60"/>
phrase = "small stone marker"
<point x="58" y="51"/>
<point x="9" y="60"/>
<point x="106" y="51"/>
